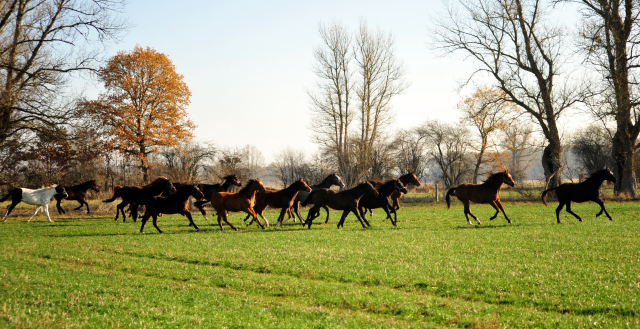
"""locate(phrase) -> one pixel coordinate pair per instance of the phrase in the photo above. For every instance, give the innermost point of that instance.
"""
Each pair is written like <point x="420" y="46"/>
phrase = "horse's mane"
<point x="494" y="177"/>
<point x="596" y="176"/>
<point x="158" y="180"/>
<point x="246" y="187"/>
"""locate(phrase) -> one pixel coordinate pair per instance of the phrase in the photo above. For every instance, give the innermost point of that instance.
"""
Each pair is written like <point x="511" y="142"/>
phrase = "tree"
<point x="486" y="110"/>
<point x="289" y="165"/>
<point x="410" y="154"/>
<point x="41" y="43"/>
<point x="143" y="105"/>
<point x="592" y="148"/>
<point x="184" y="163"/>
<point x="611" y="37"/>
<point x="447" y="147"/>
<point x="521" y="146"/>
<point x="512" y="42"/>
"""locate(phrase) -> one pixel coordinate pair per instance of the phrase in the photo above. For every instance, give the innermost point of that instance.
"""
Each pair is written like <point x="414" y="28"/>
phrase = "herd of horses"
<point x="161" y="196"/>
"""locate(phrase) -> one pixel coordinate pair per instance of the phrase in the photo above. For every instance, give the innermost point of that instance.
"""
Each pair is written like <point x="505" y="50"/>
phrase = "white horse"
<point x="40" y="197"/>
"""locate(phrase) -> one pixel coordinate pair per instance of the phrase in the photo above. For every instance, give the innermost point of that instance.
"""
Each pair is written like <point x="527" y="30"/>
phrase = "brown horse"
<point x="382" y="200"/>
<point x="241" y="201"/>
<point x="77" y="192"/>
<point x="487" y="192"/>
<point x="134" y="194"/>
<point x="173" y="204"/>
<point x="346" y="200"/>
<point x="406" y="179"/>
<point x="278" y="199"/>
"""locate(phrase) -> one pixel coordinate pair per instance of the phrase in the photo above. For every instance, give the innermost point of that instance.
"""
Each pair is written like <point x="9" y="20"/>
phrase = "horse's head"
<point x="60" y="190"/>
<point x="301" y="185"/>
<point x="608" y="175"/>
<point x="399" y="187"/>
<point x="94" y="186"/>
<point x="234" y="179"/>
<point x="196" y="193"/>
<point x="258" y="186"/>
<point x="169" y="188"/>
<point x="507" y="179"/>
<point x="336" y="180"/>
<point x="413" y="179"/>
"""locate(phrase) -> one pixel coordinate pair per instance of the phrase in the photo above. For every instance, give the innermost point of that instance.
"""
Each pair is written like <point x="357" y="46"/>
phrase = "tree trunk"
<point x="479" y="162"/>
<point x="552" y="164"/>
<point x="623" y="152"/>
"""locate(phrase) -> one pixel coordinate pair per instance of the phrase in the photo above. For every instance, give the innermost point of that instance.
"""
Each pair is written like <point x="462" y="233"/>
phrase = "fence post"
<point x="437" y="196"/>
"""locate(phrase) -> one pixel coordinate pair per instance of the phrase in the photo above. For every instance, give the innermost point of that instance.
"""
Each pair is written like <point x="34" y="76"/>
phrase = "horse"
<point x="241" y="201"/>
<point x="406" y="179"/>
<point x="132" y="195"/>
<point x="382" y="200"/>
<point x="331" y="180"/>
<point x="278" y="199"/>
<point x="346" y="200"/>
<point x="176" y="203"/>
<point x="40" y="197"/>
<point x="487" y="192"/>
<point x="589" y="190"/>
<point x="78" y="193"/>
<point x="210" y="189"/>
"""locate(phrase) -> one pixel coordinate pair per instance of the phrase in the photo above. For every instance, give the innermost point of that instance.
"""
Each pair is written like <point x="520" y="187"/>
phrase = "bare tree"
<point x="410" y="153"/>
<point x="184" y="163"/>
<point x="592" y="149"/>
<point x="254" y="161"/>
<point x="448" y="147"/>
<point x="41" y="43"/>
<point x="486" y="110"/>
<point x="289" y="165"/>
<point x="513" y="42"/>
<point x="521" y="145"/>
<point x="611" y="37"/>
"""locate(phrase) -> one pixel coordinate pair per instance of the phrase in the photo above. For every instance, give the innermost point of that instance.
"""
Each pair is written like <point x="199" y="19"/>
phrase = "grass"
<point x="433" y="270"/>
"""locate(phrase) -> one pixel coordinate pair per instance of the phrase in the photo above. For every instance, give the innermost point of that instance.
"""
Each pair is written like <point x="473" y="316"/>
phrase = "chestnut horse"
<point x="241" y="201"/>
<point x="382" y="200"/>
<point x="173" y="204"/>
<point x="487" y="192"/>
<point x="407" y="179"/>
<point x="132" y="195"/>
<point x="589" y="190"/>
<point x="77" y="192"/>
<point x="346" y="200"/>
<point x="278" y="199"/>
<point x="210" y="189"/>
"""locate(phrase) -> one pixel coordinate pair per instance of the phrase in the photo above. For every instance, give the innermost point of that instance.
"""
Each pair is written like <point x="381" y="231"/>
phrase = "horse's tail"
<point x="116" y="193"/>
<point x="544" y="195"/>
<point x="452" y="191"/>
<point x="7" y="196"/>
<point x="308" y="200"/>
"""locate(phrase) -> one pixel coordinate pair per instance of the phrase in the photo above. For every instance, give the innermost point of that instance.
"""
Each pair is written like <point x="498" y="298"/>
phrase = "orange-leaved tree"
<point x="143" y="105"/>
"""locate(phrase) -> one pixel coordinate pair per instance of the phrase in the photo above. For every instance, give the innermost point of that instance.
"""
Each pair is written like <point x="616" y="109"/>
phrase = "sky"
<point x="249" y="64"/>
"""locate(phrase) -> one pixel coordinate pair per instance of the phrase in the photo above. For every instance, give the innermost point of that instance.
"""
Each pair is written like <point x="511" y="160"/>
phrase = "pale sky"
<point x="249" y="64"/>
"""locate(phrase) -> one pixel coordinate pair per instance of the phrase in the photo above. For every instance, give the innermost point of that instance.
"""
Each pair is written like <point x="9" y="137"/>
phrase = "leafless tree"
<point x="185" y="163"/>
<point x="592" y="148"/>
<point x="42" y="42"/>
<point x="448" y="147"/>
<point x="610" y="36"/>
<point x="521" y="145"/>
<point x="410" y="153"/>
<point x="513" y="42"/>
<point x="289" y="165"/>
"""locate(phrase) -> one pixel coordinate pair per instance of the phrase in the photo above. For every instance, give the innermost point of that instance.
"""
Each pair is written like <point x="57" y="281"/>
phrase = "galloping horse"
<point x="278" y="199"/>
<point x="241" y="201"/>
<point x="589" y="190"/>
<point x="40" y="197"/>
<point x="382" y="200"/>
<point x="406" y="179"/>
<point x="487" y="192"/>
<point x="331" y="180"/>
<point x="173" y="204"/>
<point x="77" y="192"/>
<point x="210" y="189"/>
<point x="346" y="200"/>
<point x="134" y="194"/>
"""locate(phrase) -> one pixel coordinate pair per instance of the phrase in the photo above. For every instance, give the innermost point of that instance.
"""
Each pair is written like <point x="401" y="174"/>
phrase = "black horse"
<point x="346" y="200"/>
<point x="210" y="189"/>
<point x="175" y="203"/>
<point x="382" y="200"/>
<point x="331" y="180"/>
<point x="589" y="190"/>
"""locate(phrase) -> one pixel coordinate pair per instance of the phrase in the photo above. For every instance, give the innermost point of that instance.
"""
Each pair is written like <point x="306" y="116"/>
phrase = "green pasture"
<point x="433" y="270"/>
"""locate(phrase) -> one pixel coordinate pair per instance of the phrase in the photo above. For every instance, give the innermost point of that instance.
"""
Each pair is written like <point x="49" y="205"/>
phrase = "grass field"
<point x="433" y="270"/>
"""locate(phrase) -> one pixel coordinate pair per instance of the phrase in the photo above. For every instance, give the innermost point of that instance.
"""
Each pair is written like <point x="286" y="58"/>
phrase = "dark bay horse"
<point x="282" y="199"/>
<point x="176" y="203"/>
<point x="328" y="182"/>
<point x="346" y="200"/>
<point x="382" y="200"/>
<point x="77" y="192"/>
<point x="132" y="195"/>
<point x="487" y="192"/>
<point x="210" y="189"/>
<point x="406" y="179"/>
<point x="589" y="190"/>
<point x="234" y="202"/>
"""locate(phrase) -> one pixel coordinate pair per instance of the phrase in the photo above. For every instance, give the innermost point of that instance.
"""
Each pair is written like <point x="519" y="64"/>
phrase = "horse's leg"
<point x="255" y="216"/>
<point x="344" y="215"/>
<point x="34" y="213"/>
<point x="388" y="211"/>
<point x="87" y="204"/>
<point x="145" y="218"/>
<point x="46" y="211"/>
<point x="283" y="212"/>
<point x="361" y="211"/>
<point x="467" y="212"/>
<point x="80" y="206"/>
<point x="296" y="210"/>
<point x="504" y="213"/>
<point x="602" y="208"/>
<point x="119" y="208"/>
<point x="60" y="210"/>
<point x="220" y="221"/>
<point x="226" y="221"/>
<point x="200" y="206"/>
<point x="558" y="210"/>
<point x="327" y="209"/>
<point x="571" y="212"/>
<point x="362" y="218"/>
<point x="9" y="209"/>
<point x="155" y="223"/>
<point x="495" y="206"/>
<point x="245" y="219"/>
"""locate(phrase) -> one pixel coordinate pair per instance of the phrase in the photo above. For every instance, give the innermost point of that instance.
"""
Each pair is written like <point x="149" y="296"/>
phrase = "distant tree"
<point x="592" y="148"/>
<point x="289" y="165"/>
<point x="184" y="163"/>
<point x="486" y="110"/>
<point x="143" y="105"/>
<point x="410" y="153"/>
<point x="448" y="148"/>
<point x="520" y="145"/>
